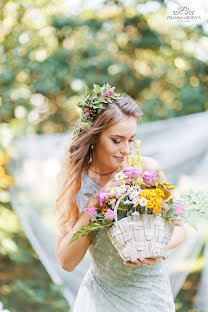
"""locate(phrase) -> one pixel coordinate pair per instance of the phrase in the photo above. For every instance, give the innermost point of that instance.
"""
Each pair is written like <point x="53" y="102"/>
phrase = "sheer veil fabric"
<point x="178" y="144"/>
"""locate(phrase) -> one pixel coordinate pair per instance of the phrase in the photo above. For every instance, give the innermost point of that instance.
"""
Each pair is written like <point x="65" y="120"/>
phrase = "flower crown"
<point x="93" y="104"/>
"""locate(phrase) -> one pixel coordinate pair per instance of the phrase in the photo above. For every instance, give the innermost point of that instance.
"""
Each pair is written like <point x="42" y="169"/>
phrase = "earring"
<point x="92" y="146"/>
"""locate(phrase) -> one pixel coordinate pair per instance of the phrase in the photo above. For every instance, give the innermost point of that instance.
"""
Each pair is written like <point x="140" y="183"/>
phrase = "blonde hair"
<point x="77" y="157"/>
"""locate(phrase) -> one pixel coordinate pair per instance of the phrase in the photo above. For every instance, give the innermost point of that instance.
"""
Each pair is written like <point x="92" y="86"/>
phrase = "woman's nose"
<point x="126" y="149"/>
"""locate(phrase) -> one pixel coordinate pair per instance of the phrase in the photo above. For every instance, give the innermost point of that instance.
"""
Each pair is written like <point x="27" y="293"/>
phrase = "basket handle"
<point x="116" y="207"/>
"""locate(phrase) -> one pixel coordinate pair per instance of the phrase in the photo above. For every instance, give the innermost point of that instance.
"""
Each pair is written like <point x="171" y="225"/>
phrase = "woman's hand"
<point x="112" y="182"/>
<point x="106" y="187"/>
<point x="141" y="261"/>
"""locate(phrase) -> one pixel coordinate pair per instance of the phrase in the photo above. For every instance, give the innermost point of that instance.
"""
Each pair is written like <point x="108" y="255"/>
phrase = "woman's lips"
<point x="120" y="158"/>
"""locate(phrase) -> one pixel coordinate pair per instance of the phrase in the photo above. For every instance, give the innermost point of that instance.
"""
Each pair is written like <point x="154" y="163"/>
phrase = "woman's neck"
<point x="101" y="179"/>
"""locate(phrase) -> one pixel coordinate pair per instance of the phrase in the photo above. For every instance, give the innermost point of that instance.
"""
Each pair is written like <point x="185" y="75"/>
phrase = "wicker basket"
<point x="140" y="236"/>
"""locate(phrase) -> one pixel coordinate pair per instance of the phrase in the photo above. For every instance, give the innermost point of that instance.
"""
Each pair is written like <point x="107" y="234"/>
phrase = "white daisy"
<point x="128" y="202"/>
<point x="136" y="202"/>
<point x="113" y="191"/>
<point x="133" y="195"/>
<point x="122" y="183"/>
<point x="119" y="176"/>
<point x="143" y="202"/>
<point x="116" y="191"/>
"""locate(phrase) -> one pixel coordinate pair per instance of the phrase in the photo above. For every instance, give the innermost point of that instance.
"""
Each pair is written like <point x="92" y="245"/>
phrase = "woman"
<point x="103" y="140"/>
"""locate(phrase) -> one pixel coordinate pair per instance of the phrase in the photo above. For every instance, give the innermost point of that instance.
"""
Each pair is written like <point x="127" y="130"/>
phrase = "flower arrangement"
<point x="145" y="196"/>
<point x="94" y="102"/>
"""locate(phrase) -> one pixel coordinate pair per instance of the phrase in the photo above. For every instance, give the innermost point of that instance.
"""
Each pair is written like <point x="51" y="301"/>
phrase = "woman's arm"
<point x="70" y="256"/>
<point x="179" y="233"/>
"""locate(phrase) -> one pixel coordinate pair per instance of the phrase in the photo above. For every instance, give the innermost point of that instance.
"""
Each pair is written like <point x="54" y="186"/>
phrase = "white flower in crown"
<point x="119" y="176"/>
<point x="143" y="202"/>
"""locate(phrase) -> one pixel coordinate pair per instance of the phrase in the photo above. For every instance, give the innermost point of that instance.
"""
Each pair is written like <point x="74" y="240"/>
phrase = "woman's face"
<point x="115" y="143"/>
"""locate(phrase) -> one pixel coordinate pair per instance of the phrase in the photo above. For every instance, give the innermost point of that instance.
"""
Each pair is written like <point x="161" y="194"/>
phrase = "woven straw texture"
<point x="141" y="236"/>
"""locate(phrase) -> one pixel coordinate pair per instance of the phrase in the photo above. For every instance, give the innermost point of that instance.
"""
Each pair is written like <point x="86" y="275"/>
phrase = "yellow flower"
<point x="4" y="159"/>
<point x="104" y="210"/>
<point x="154" y="198"/>
<point x="6" y="181"/>
<point x="2" y="172"/>
<point x="134" y="160"/>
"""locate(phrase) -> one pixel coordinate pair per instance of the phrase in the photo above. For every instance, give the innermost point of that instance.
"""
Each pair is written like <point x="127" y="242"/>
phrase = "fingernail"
<point x="135" y="260"/>
<point x="141" y="259"/>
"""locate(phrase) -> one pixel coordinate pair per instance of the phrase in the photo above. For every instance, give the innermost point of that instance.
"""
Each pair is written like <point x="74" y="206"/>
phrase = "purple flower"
<point x="87" y="111"/>
<point x="91" y="211"/>
<point x="150" y="177"/>
<point x="102" y="196"/>
<point x="109" y="214"/>
<point x="132" y="172"/>
<point x="108" y="93"/>
<point x="179" y="209"/>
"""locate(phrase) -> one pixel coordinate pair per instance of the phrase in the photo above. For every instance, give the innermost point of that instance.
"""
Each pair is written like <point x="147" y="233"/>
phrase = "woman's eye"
<point x="115" y="141"/>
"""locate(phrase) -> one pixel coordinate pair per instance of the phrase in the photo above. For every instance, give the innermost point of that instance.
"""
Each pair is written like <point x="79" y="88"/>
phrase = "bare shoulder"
<point x="149" y="163"/>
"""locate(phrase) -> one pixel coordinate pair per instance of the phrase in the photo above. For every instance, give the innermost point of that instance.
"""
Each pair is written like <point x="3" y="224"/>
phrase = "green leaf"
<point x="100" y="215"/>
<point x="88" y="194"/>
<point x="170" y="212"/>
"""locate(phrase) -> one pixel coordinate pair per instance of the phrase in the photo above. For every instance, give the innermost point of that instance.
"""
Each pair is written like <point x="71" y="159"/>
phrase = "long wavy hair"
<point x="77" y="158"/>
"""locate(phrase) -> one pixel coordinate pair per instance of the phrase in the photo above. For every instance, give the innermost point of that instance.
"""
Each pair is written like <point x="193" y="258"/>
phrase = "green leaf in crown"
<point x="93" y="104"/>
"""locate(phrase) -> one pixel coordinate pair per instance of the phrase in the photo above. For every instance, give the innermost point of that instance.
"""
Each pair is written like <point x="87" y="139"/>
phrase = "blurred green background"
<point x="47" y="53"/>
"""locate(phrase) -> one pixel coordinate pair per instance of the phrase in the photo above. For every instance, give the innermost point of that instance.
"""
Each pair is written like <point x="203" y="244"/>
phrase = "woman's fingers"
<point x="130" y="263"/>
<point x="141" y="261"/>
<point x="148" y="261"/>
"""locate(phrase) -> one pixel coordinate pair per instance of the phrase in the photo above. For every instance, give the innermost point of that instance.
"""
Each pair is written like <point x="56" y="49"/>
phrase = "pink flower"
<point x="102" y="197"/>
<point x="91" y="211"/>
<point x="109" y="214"/>
<point x="132" y="172"/>
<point x="108" y="93"/>
<point x="150" y="177"/>
<point x="179" y="209"/>
<point x="87" y="111"/>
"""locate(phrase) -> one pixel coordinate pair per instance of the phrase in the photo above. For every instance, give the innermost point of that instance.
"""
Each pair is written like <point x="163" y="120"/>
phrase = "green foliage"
<point x="90" y="230"/>
<point x="94" y="101"/>
<point x="125" y="49"/>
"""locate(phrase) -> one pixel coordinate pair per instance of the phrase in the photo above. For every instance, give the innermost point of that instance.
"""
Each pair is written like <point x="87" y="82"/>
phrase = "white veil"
<point x="180" y="146"/>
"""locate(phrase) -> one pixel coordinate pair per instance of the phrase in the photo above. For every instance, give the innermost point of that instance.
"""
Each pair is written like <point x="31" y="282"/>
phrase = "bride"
<point x="103" y="138"/>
